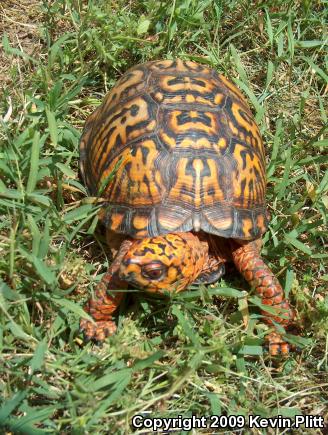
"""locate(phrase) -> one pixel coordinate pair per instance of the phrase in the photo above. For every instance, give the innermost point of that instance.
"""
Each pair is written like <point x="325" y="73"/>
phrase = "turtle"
<point x="178" y="160"/>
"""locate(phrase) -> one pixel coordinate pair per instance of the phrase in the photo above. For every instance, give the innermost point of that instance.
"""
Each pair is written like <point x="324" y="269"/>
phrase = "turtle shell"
<point x="185" y="152"/>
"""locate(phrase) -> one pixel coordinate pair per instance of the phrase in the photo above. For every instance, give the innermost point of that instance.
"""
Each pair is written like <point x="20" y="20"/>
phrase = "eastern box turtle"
<point x="188" y="194"/>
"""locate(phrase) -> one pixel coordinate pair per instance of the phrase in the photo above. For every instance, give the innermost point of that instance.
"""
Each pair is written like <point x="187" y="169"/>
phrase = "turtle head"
<point x="170" y="262"/>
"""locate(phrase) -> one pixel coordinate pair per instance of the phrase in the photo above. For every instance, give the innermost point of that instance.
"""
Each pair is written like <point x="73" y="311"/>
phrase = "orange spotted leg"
<point x="250" y="264"/>
<point x="106" y="300"/>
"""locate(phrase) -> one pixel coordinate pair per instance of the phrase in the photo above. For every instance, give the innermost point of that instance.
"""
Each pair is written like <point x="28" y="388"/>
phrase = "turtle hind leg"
<point x="249" y="263"/>
<point x="107" y="298"/>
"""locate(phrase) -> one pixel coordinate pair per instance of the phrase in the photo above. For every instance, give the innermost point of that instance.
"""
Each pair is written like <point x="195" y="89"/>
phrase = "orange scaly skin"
<point x="180" y="257"/>
<point x="250" y="264"/>
<point x="104" y="304"/>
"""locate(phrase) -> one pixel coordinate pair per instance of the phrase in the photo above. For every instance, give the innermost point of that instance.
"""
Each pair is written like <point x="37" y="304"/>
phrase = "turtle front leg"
<point x="248" y="261"/>
<point x="106" y="300"/>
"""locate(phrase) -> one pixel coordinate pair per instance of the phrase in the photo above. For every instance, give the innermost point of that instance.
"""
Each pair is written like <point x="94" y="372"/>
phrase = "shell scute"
<point x="187" y="152"/>
<point x="192" y="91"/>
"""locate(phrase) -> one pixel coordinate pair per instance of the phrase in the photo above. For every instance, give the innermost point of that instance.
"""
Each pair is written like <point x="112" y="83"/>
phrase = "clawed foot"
<point x="277" y="345"/>
<point x="98" y="331"/>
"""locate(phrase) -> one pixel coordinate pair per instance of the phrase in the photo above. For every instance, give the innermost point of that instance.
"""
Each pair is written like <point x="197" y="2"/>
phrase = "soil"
<point x="20" y="21"/>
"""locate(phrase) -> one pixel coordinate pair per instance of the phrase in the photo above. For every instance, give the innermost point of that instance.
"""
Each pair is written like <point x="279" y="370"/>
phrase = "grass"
<point x="193" y="355"/>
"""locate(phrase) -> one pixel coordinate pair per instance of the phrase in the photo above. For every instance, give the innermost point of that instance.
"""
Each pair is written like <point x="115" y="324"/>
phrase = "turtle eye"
<point x="153" y="271"/>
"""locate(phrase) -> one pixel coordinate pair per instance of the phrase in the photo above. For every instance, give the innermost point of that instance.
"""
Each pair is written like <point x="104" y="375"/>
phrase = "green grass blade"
<point x="251" y="350"/>
<point x="119" y="388"/>
<point x="34" y="163"/>
<point x="36" y="235"/>
<point x="238" y="64"/>
<point x="289" y="281"/>
<point x="78" y="213"/>
<point x="299" y="245"/>
<point x="10" y="405"/>
<point x="41" y="267"/>
<point x="316" y="68"/>
<point x="110" y="379"/>
<point x="186" y="326"/>
<point x="38" y="357"/>
<point x="269" y="28"/>
<point x="45" y="239"/>
<point x="72" y="307"/>
<point x="52" y="124"/>
<point x="147" y="362"/>
<point x="281" y="187"/>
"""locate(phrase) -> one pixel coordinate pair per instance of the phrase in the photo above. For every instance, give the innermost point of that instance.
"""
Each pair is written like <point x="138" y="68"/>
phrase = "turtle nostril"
<point x="129" y="276"/>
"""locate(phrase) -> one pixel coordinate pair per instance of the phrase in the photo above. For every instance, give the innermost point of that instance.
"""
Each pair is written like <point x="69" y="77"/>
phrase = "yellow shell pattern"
<point x="189" y="154"/>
